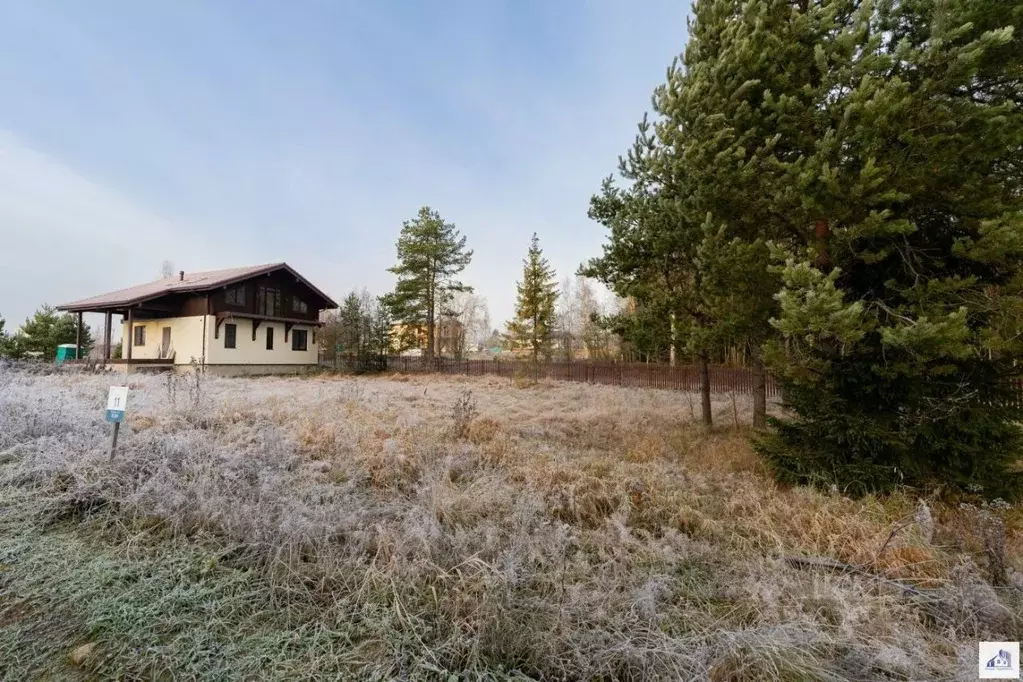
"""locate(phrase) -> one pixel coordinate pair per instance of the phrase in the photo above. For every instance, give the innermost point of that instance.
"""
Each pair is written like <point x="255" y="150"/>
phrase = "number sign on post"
<point x="117" y="403"/>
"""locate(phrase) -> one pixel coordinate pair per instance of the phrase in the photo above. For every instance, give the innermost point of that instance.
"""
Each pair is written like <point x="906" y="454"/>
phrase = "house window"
<point x="269" y="338"/>
<point x="235" y="295"/>
<point x="299" y="339"/>
<point x="140" y="336"/>
<point x="268" y="301"/>
<point x="230" y="335"/>
<point x="298" y="305"/>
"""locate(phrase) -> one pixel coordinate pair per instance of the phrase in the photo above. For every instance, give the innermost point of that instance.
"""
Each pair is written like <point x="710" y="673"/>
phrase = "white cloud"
<point x="65" y="237"/>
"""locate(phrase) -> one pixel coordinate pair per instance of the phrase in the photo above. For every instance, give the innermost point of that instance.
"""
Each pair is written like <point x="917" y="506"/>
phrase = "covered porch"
<point x="128" y="315"/>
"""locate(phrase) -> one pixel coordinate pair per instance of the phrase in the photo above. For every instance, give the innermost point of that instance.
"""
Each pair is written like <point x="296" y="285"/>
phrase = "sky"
<point x="220" y="134"/>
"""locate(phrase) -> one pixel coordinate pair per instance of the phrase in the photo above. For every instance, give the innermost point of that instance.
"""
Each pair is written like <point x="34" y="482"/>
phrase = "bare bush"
<point x="463" y="413"/>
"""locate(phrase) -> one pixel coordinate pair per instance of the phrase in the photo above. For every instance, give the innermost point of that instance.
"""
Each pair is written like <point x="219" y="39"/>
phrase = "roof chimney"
<point x="181" y="276"/>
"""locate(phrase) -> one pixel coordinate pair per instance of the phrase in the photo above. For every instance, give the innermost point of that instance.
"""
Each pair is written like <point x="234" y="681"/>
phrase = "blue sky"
<point x="218" y="134"/>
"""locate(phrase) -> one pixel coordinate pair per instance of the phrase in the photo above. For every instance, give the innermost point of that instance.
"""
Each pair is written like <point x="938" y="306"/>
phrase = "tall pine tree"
<point x="431" y="253"/>
<point x="875" y="150"/>
<point x="536" y="296"/>
<point x="741" y="114"/>
<point x="652" y="254"/>
<point x="900" y="328"/>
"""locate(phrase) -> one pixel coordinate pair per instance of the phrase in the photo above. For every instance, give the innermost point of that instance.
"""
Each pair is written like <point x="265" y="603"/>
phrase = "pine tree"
<point x="899" y="330"/>
<point x="350" y="327"/>
<point x="430" y="254"/>
<point x="5" y="340"/>
<point x="46" y="330"/>
<point x="645" y="331"/>
<point x="358" y="333"/>
<point x="535" y="300"/>
<point x="743" y="114"/>
<point x="378" y="327"/>
<point x="875" y="151"/>
<point x="651" y="253"/>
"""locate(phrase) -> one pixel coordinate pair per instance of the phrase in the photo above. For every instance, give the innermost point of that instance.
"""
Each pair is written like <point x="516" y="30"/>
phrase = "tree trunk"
<point x="759" y="390"/>
<point x="671" y="350"/>
<point x="821" y="238"/>
<point x="431" y="329"/>
<point x="708" y="420"/>
<point x="822" y="235"/>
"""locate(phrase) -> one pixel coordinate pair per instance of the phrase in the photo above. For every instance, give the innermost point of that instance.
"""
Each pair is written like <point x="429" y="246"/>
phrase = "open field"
<point x="455" y="528"/>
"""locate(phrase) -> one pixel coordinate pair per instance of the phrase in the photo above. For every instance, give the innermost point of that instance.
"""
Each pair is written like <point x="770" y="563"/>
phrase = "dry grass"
<point x="384" y="528"/>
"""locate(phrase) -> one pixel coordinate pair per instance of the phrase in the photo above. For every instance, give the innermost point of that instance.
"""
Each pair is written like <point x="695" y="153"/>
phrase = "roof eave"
<point x="86" y="307"/>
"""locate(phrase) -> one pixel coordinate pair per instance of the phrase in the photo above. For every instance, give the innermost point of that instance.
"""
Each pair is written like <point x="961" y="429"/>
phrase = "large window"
<point x="299" y="339"/>
<point x="268" y="301"/>
<point x="298" y="305"/>
<point x="140" y="336"/>
<point x="269" y="338"/>
<point x="235" y="295"/>
<point x="230" y="335"/>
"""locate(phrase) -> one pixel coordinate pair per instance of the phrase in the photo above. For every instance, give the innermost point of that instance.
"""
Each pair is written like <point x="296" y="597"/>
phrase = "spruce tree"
<point x="431" y="253"/>
<point x="536" y="296"/>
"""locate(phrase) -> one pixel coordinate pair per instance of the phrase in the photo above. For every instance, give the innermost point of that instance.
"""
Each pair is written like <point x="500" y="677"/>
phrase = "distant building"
<point x="449" y="336"/>
<point x="260" y="319"/>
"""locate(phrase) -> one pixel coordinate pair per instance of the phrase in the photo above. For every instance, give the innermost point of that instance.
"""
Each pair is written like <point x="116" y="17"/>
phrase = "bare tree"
<point x="578" y="326"/>
<point x="468" y="319"/>
<point x="567" y="321"/>
<point x="166" y="269"/>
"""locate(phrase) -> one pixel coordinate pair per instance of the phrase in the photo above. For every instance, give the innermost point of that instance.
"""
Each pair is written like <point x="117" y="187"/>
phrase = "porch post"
<point x="130" y="332"/>
<point x="78" y="338"/>
<point x="107" y="322"/>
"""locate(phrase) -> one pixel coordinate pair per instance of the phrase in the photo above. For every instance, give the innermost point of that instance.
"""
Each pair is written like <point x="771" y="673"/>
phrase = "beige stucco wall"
<point x="249" y="352"/>
<point x="187" y="342"/>
<point x="186" y="338"/>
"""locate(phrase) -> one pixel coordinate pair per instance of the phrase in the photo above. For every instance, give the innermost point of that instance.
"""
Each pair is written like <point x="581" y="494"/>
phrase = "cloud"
<point x="66" y="237"/>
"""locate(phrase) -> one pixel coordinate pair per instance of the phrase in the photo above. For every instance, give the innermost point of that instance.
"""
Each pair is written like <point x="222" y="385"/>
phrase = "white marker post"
<point x="117" y="403"/>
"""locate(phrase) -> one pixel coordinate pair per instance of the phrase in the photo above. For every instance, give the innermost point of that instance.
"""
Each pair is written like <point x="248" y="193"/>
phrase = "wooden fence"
<point x="637" y="375"/>
<point x="685" y="377"/>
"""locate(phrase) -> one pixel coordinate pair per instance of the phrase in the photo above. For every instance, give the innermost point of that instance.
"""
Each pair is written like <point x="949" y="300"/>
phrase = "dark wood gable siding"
<point x="215" y="301"/>
<point x="172" y="305"/>
<point x="280" y="280"/>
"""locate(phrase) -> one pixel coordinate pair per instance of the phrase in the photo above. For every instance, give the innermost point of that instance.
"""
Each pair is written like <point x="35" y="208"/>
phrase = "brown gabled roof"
<point x="192" y="282"/>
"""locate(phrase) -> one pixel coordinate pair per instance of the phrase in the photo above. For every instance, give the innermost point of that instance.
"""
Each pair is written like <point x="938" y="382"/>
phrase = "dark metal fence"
<point x="638" y="375"/>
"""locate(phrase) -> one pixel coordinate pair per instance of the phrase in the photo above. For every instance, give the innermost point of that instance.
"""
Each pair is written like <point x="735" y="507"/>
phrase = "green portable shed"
<point x="66" y="351"/>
